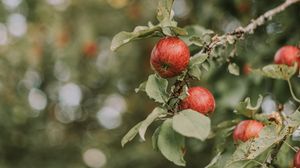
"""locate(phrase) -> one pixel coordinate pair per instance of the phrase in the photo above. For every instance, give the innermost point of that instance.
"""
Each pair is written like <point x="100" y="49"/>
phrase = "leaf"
<point x="198" y="59"/>
<point x="156" y="88"/>
<point x="184" y="92"/>
<point x="151" y="117"/>
<point x="164" y="10"/>
<point x="195" y="72"/>
<point x="190" y="123"/>
<point x="171" y="144"/>
<point x="142" y="87"/>
<point x="178" y="31"/>
<point x="130" y="134"/>
<point x="293" y="120"/>
<point x="126" y="37"/>
<point x="234" y="69"/>
<point x="214" y="161"/>
<point x="245" y="108"/>
<point x="155" y="138"/>
<point x="253" y="148"/>
<point x="276" y="71"/>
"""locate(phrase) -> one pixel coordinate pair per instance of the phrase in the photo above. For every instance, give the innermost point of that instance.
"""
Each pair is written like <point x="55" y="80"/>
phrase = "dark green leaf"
<point x="131" y="134"/>
<point x="245" y="108"/>
<point x="278" y="71"/>
<point x="190" y="123"/>
<point x="156" y="88"/>
<point x="234" y="69"/>
<point x="151" y="117"/>
<point x="171" y="144"/>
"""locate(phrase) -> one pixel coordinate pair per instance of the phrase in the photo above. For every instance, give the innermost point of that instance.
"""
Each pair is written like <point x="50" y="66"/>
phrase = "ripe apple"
<point x="287" y="55"/>
<point x="246" y="130"/>
<point x="199" y="99"/>
<point x="90" y="49"/>
<point x="297" y="160"/>
<point x="170" y="57"/>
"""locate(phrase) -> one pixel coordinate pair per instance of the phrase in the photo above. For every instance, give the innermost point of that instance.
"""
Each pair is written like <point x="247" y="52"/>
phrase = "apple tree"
<point x="185" y="57"/>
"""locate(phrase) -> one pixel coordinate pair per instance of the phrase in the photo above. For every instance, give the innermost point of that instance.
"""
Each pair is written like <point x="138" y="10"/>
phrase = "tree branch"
<point x="237" y="34"/>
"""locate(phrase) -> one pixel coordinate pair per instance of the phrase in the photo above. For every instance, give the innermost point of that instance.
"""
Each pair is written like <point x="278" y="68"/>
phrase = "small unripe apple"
<point x="199" y="99"/>
<point x="170" y="57"/>
<point x="297" y="160"/>
<point x="287" y="55"/>
<point x="246" y="130"/>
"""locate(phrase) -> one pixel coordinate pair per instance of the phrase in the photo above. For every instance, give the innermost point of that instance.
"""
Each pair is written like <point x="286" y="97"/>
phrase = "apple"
<point x="170" y="57"/>
<point x="246" y="130"/>
<point x="247" y="69"/>
<point x="287" y="55"/>
<point x="90" y="49"/>
<point x="297" y="160"/>
<point x="199" y="99"/>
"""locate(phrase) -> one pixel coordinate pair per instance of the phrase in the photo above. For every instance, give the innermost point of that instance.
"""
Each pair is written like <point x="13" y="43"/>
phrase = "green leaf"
<point x="151" y="117"/>
<point x="253" y="148"/>
<point x="190" y="123"/>
<point x="245" y="108"/>
<point x="155" y="138"/>
<point x="164" y="10"/>
<point x="293" y="120"/>
<point x="156" y="88"/>
<point x="276" y="71"/>
<point x="130" y="134"/>
<point x="142" y="87"/>
<point x="139" y="32"/>
<point x="178" y="31"/>
<point x="214" y="161"/>
<point x="198" y="59"/>
<point x="195" y="72"/>
<point x="171" y="144"/>
<point x="234" y="69"/>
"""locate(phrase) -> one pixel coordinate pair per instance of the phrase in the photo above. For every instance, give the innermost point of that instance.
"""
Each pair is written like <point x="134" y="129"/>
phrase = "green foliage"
<point x="192" y="124"/>
<point x="247" y="109"/>
<point x="156" y="113"/>
<point x="171" y="144"/>
<point x="283" y="72"/>
<point x="156" y="88"/>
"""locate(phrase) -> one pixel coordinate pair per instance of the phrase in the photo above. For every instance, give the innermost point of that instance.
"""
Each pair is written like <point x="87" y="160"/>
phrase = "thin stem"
<point x="290" y="146"/>
<point x="292" y="91"/>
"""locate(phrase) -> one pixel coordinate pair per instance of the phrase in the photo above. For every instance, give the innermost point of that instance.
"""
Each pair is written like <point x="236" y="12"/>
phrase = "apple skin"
<point x="170" y="57"/>
<point x="287" y="55"/>
<point x="297" y="160"/>
<point x="199" y="99"/>
<point x="246" y="130"/>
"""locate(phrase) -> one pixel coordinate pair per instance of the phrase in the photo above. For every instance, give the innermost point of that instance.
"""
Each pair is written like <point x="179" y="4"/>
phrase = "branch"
<point x="239" y="33"/>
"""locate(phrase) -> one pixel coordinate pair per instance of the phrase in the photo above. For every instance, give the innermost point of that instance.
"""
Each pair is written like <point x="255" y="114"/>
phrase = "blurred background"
<point x="66" y="100"/>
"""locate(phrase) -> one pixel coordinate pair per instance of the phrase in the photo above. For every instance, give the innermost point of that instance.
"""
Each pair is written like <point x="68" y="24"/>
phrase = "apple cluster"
<point x="169" y="58"/>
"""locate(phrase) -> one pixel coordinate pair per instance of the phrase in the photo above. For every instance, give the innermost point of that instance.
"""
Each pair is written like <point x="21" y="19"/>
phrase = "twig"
<point x="237" y="34"/>
<point x="292" y="91"/>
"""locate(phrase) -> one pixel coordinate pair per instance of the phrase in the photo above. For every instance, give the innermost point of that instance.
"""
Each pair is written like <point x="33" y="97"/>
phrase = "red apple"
<point x="297" y="160"/>
<point x="90" y="49"/>
<point x="199" y="99"/>
<point x="287" y="55"/>
<point x="246" y="130"/>
<point x="170" y="57"/>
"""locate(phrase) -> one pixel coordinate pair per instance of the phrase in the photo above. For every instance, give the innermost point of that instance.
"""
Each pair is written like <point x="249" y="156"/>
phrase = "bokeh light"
<point x="17" y="25"/>
<point x="37" y="99"/>
<point x="94" y="158"/>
